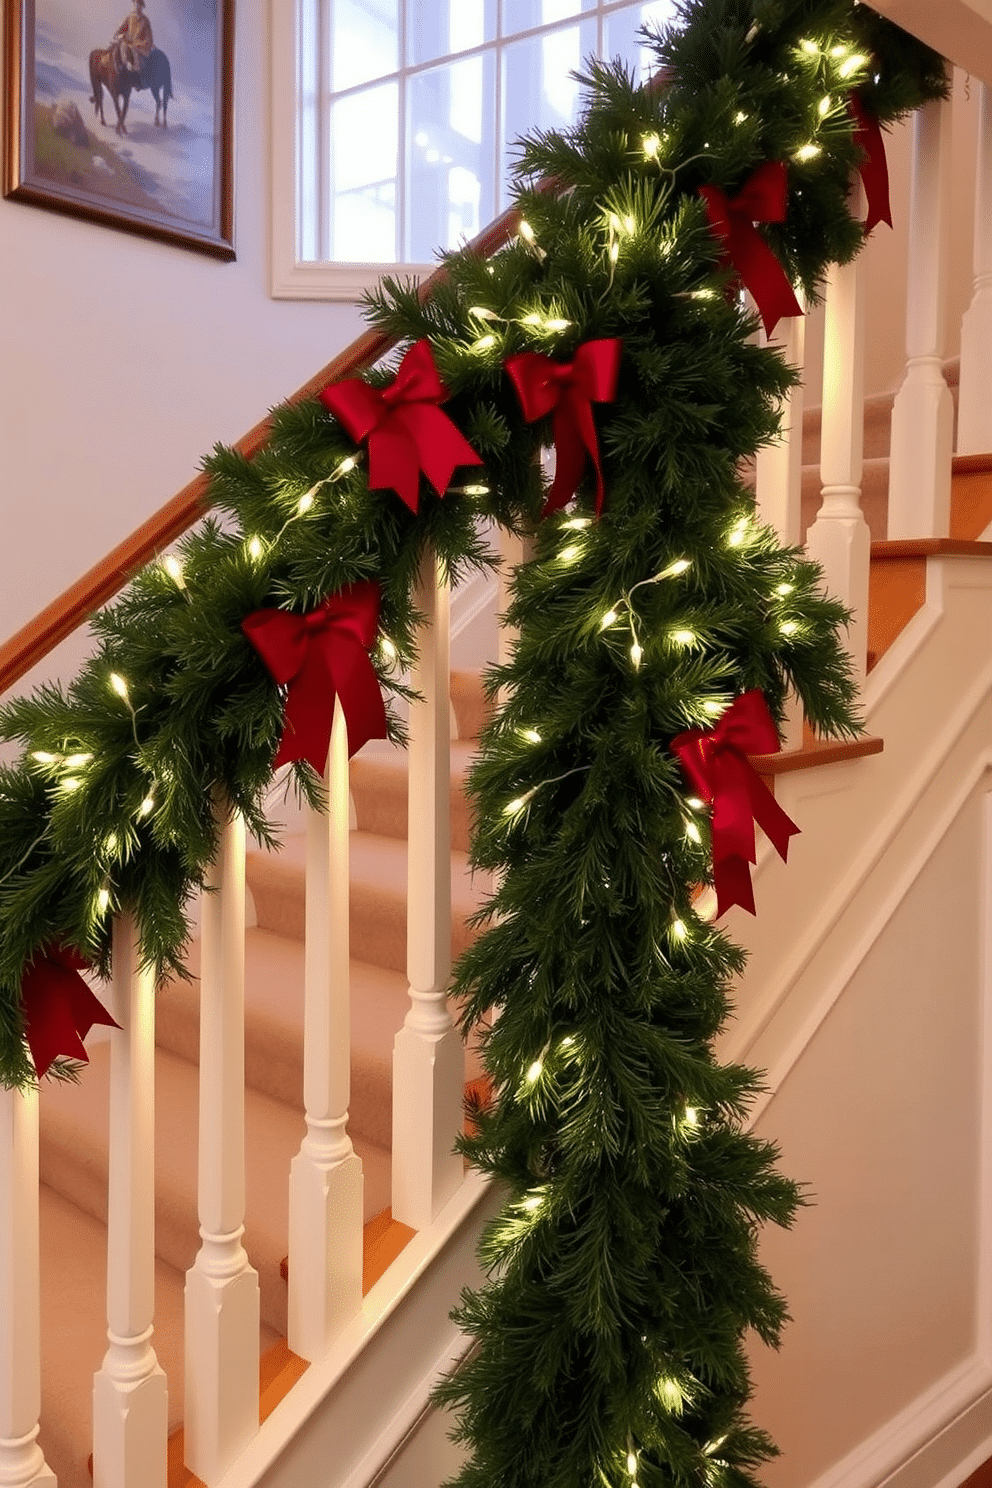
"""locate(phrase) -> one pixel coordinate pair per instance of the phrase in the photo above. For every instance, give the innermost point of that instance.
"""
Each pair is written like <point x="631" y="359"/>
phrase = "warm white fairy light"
<point x="534" y="1072"/>
<point x="703" y="294"/>
<point x="632" y="1463"/>
<point x="809" y="47"/>
<point x="532" y="1201"/>
<point x="174" y="569"/>
<point x="387" y="648"/>
<point x="147" y="805"/>
<point x="852" y="65"/>
<point x="110" y="844"/>
<point x="807" y="152"/>
<point x="305" y="502"/>
<point x="650" y="144"/>
<point x="557" y="325"/>
<point x="526" y="231"/>
<point x="737" y="533"/>
<point x="825" y="105"/>
<point x="610" y="618"/>
<point x="838" y="51"/>
<point x="576" y="524"/>
<point x="119" y="685"/>
<point x="76" y="761"/>
<point x="679" y="930"/>
<point x="693" y="833"/>
<point x="740" y="117"/>
<point x="569" y="554"/>
<point x="44" y="758"/>
<point x="481" y="313"/>
<point x="484" y="343"/>
<point x="695" y="804"/>
<point x="69" y="784"/>
<point x="472" y="490"/>
<point x="102" y="900"/>
<point x="691" y="1117"/>
<point x="783" y="589"/>
<point x="683" y="637"/>
<point x="348" y="463"/>
<point x="789" y="627"/>
<point x="671" y="1394"/>
<point x="714" y="707"/>
<point x="255" y="548"/>
<point x="636" y="652"/>
<point x="531" y="735"/>
<point x="614" y="251"/>
<point x="533" y="319"/>
<point x="514" y="807"/>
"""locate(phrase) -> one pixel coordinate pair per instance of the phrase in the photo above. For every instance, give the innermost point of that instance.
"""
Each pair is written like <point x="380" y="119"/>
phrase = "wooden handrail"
<point x="34" y="641"/>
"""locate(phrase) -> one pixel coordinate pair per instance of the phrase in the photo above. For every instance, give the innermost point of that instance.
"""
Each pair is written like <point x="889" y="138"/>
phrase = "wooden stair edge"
<point x="929" y="547"/>
<point x="815" y="752"/>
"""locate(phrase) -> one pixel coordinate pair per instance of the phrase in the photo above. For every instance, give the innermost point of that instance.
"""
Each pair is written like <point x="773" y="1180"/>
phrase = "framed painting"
<point x="121" y="112"/>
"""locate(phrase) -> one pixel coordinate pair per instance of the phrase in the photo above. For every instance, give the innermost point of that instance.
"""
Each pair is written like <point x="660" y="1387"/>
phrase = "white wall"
<point x="123" y="360"/>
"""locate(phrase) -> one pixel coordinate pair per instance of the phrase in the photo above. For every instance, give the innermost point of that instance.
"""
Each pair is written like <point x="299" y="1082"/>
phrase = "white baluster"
<point x="130" y="1396"/>
<point x="923" y="412"/>
<point x="22" y="1462"/>
<point x="325" y="1186"/>
<point x="222" y="1299"/>
<point x="974" y="403"/>
<point x="779" y="466"/>
<point x="779" y="478"/>
<point x="839" y="540"/>
<point x="428" y="1055"/>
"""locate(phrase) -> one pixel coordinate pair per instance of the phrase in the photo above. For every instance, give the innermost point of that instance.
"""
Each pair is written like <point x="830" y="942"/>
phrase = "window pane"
<point x="621" y="39"/>
<point x="538" y="92"/>
<point x="439" y="27"/>
<point x="452" y="149"/>
<point x="364" y="41"/>
<point x="522" y="15"/>
<point x="364" y="150"/>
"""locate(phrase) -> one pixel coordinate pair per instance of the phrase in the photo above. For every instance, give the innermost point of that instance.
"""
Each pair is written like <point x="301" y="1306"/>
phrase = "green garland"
<point x="624" y="1275"/>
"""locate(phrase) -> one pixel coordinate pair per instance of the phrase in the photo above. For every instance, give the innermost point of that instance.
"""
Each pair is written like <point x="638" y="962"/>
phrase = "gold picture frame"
<point x="125" y="122"/>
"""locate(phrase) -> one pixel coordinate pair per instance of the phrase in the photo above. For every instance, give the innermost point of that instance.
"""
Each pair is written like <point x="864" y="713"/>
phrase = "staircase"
<point x="74" y="1117"/>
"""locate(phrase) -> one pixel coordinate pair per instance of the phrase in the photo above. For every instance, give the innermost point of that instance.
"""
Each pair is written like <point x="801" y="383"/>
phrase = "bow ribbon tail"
<point x="59" y="1011"/>
<point x="575" y="435"/>
<point x="874" y="168"/>
<point x="440" y="445"/>
<point x="732" y="882"/>
<point x="356" y="684"/>
<point x="762" y="275"/>
<point x="306" y="729"/>
<point x="776" y="824"/>
<point x="394" y="463"/>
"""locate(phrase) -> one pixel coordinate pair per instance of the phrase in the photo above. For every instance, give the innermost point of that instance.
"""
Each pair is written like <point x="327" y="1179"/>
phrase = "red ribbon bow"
<point x="569" y="389"/>
<point x="762" y="199"/>
<point x="874" y="169"/>
<point x="321" y="656"/>
<point x="716" y="764"/>
<point x="59" y="1009"/>
<point x="406" y="431"/>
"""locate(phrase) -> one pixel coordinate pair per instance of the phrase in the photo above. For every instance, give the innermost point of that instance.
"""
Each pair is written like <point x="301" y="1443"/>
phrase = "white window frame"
<point x="291" y="277"/>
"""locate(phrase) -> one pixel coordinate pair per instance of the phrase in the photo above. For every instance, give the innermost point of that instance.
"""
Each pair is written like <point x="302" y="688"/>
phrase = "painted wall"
<point x="123" y="360"/>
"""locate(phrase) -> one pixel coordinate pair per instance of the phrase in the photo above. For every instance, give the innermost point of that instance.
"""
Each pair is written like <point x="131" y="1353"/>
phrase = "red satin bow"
<point x="569" y="389"/>
<point x="406" y="431"/>
<point x="716" y="764"/>
<point x="321" y="656"/>
<point x="874" y="169"/>
<point x="59" y="1009"/>
<point x="762" y="199"/>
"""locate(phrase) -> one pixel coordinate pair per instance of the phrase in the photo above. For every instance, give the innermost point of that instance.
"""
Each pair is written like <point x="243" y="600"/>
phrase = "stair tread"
<point x="74" y="1122"/>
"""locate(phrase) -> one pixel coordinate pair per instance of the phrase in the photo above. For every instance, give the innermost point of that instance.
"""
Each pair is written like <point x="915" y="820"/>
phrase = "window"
<point x="394" y="121"/>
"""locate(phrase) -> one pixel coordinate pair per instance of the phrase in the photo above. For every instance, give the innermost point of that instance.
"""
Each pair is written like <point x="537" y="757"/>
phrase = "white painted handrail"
<point x="974" y="402"/>
<point x="325" y="1189"/>
<point x="923" y="412"/>
<point x="428" y="1055"/>
<point x="22" y="1462"/>
<point x="222" y="1296"/>
<point x="839" y="539"/>
<point x="130" y="1395"/>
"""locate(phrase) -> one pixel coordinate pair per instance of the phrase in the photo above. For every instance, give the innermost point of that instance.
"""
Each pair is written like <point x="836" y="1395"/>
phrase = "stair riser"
<point x="377" y="922"/>
<point x="381" y="804"/>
